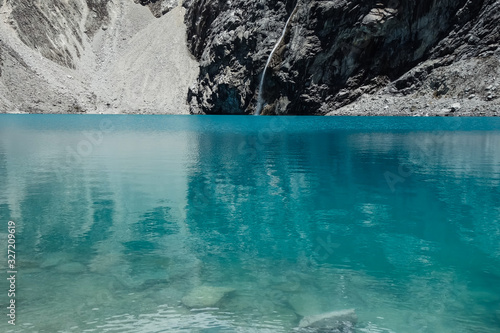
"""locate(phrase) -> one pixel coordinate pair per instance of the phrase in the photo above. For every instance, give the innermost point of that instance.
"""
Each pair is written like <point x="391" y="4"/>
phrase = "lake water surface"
<point x="120" y="217"/>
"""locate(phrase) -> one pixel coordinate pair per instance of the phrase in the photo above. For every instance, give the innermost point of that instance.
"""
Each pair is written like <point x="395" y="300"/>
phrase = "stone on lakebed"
<point x="205" y="296"/>
<point x="330" y="320"/>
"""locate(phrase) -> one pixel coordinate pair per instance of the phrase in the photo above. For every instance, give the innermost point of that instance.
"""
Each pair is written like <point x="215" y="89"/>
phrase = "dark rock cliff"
<point x="333" y="51"/>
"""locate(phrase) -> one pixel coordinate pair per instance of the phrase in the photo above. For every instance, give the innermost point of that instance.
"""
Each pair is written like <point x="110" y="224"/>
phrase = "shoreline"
<point x="385" y="105"/>
<point x="378" y="105"/>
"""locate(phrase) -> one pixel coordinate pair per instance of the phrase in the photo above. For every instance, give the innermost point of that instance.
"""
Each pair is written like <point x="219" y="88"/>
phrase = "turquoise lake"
<point x="120" y="218"/>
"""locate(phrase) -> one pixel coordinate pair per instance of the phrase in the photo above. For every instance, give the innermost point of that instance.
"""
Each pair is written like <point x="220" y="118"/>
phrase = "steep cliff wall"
<point x="335" y="52"/>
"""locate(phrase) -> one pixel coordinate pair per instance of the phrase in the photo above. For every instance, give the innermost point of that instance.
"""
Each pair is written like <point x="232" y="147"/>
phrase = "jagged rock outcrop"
<point x="159" y="7"/>
<point x="335" y="52"/>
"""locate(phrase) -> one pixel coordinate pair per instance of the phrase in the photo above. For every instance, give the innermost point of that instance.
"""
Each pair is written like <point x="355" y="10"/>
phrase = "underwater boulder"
<point x="71" y="268"/>
<point x="335" y="321"/>
<point x="205" y="296"/>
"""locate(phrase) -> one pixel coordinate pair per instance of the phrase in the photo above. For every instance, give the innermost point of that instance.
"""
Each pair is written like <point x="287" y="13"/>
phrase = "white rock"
<point x="205" y="296"/>
<point x="330" y="320"/>
<point x="455" y="106"/>
<point x="444" y="111"/>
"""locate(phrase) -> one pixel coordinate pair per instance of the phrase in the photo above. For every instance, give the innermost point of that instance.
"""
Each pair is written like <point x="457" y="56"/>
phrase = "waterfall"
<point x="260" y="100"/>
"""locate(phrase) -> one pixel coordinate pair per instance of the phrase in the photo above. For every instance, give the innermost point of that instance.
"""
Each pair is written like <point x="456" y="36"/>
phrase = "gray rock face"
<point x="54" y="27"/>
<point x="159" y="7"/>
<point x="333" y="52"/>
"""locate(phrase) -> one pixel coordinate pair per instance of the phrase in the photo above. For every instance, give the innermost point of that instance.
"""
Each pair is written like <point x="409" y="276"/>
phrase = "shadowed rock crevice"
<point x="159" y="7"/>
<point x="97" y="17"/>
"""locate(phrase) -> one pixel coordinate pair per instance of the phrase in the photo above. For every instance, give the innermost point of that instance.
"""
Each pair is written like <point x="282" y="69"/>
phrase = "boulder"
<point x="455" y="107"/>
<point x="336" y="320"/>
<point x="205" y="296"/>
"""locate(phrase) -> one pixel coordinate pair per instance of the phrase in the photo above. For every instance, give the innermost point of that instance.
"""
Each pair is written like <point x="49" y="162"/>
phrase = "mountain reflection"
<point x="300" y="186"/>
<point x="297" y="218"/>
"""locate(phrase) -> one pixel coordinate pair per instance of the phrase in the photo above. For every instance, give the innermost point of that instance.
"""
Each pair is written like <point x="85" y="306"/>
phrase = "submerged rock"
<point x="205" y="296"/>
<point x="336" y="321"/>
<point x="305" y="304"/>
<point x="71" y="267"/>
<point x="54" y="259"/>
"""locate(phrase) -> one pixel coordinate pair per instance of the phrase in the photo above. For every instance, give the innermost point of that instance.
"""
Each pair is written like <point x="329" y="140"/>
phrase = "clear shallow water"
<point x="118" y="218"/>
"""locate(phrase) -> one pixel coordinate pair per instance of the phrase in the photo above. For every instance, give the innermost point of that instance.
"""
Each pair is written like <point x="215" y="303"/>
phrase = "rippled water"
<point x="120" y="217"/>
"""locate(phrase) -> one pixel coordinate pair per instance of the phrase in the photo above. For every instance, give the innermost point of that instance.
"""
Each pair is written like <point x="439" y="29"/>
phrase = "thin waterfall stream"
<point x="260" y="99"/>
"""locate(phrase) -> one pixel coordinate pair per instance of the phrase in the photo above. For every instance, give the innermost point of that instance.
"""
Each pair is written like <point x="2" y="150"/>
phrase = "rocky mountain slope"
<point x="93" y="56"/>
<point x="403" y="57"/>
<point x="438" y="57"/>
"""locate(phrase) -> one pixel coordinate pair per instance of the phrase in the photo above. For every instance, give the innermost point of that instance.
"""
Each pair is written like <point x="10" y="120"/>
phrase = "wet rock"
<point x="306" y="304"/>
<point x="342" y="321"/>
<point x="205" y="296"/>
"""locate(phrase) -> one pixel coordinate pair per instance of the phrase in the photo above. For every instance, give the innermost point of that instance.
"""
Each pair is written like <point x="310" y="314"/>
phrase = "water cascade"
<point x="260" y="100"/>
